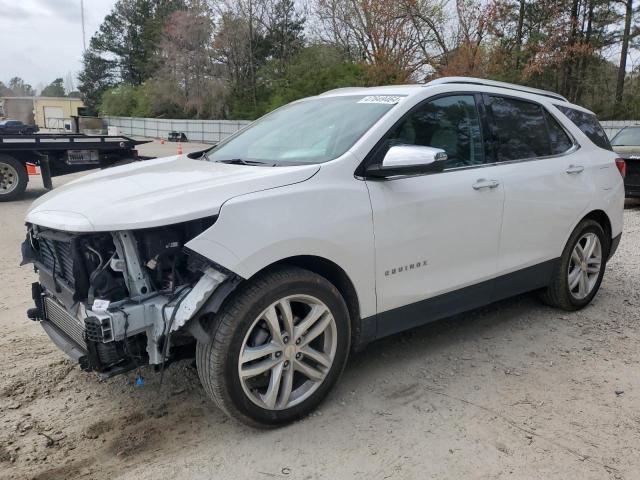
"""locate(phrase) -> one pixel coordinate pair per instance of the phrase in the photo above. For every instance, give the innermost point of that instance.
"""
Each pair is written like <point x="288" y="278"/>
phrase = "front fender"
<point x="333" y="222"/>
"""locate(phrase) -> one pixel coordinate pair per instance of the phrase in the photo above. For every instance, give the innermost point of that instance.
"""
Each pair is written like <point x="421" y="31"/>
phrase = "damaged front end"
<point x="114" y="301"/>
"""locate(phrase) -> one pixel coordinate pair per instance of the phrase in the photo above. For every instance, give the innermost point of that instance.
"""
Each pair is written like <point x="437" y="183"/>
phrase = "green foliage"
<point x="20" y="88"/>
<point x="243" y="58"/>
<point x="96" y="77"/>
<point x="54" y="89"/>
<point x="314" y="70"/>
<point x="127" y="101"/>
<point x="124" y="50"/>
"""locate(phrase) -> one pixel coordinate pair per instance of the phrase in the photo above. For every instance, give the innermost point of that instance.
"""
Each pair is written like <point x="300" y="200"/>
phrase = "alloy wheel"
<point x="584" y="266"/>
<point x="287" y="352"/>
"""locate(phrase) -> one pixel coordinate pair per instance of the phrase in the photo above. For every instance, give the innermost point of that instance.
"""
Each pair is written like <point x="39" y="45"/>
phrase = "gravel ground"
<point x="515" y="390"/>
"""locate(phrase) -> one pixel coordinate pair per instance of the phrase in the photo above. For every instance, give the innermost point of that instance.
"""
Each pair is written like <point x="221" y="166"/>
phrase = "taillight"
<point x="622" y="167"/>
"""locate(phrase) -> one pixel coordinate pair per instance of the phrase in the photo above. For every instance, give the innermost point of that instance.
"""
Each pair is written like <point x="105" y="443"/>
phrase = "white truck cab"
<point x="326" y="224"/>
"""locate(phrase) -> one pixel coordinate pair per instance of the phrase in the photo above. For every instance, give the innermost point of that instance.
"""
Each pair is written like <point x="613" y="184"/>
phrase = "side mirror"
<point x="409" y="160"/>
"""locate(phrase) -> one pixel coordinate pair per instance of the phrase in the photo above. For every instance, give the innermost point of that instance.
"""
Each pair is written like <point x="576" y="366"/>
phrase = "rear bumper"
<point x="632" y="191"/>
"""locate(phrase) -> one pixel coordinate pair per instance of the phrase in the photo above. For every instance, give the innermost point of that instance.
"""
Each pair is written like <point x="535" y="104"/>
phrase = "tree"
<point x="69" y="84"/>
<point x="392" y="37"/>
<point x="624" y="51"/>
<point x="124" y="50"/>
<point x="233" y="53"/>
<point x="241" y="58"/>
<point x="315" y="69"/>
<point x="54" y="89"/>
<point x="6" y="91"/>
<point x="187" y="76"/>
<point x="130" y="34"/>
<point x="20" y="88"/>
<point x="119" y="101"/>
<point x="283" y="31"/>
<point x="96" y="77"/>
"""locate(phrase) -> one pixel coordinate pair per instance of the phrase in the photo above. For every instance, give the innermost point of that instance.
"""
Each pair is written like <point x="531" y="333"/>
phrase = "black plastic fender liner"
<point x="29" y="255"/>
<point x="615" y="242"/>
<point x="212" y="305"/>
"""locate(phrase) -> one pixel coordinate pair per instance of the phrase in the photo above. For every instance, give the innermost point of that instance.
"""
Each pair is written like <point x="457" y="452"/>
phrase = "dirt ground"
<point x="515" y="390"/>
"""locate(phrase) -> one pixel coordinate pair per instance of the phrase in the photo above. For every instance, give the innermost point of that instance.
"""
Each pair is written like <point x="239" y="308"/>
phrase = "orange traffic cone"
<point x="32" y="169"/>
<point x="179" y="148"/>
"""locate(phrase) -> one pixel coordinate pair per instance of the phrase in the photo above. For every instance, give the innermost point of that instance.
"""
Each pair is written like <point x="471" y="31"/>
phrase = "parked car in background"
<point x="177" y="137"/>
<point x="326" y="224"/>
<point x="16" y="127"/>
<point x="626" y="143"/>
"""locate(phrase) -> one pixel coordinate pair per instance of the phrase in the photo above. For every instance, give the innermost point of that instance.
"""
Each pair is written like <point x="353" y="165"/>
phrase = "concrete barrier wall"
<point x="212" y="131"/>
<point x="201" y="131"/>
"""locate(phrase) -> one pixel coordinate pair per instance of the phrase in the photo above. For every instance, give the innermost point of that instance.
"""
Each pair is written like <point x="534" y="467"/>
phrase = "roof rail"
<point x="493" y="83"/>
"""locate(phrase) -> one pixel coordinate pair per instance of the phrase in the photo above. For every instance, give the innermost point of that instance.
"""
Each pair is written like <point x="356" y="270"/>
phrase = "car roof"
<point x="626" y="128"/>
<point x="490" y="86"/>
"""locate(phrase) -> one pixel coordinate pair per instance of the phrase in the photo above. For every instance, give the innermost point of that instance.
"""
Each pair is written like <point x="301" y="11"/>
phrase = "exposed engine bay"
<point x="117" y="300"/>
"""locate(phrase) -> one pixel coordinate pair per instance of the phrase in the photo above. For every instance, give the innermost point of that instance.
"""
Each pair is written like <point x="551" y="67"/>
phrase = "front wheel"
<point x="277" y="347"/>
<point x="581" y="268"/>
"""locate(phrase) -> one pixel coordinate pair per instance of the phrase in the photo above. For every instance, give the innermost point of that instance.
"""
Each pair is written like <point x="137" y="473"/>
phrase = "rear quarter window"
<point x="560" y="141"/>
<point x="588" y="124"/>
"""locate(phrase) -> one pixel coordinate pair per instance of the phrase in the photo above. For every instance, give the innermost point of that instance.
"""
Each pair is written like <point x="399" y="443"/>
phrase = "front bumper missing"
<point x="104" y="340"/>
<point x="63" y="342"/>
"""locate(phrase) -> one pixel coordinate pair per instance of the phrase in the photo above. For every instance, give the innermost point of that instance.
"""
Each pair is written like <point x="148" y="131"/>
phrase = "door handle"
<point x="573" y="169"/>
<point x="484" y="183"/>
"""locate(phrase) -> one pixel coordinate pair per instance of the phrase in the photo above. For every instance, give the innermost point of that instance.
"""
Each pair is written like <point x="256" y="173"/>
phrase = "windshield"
<point x="628" y="136"/>
<point x="311" y="131"/>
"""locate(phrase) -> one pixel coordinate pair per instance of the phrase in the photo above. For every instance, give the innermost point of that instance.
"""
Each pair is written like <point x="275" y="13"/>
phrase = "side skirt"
<point x="464" y="299"/>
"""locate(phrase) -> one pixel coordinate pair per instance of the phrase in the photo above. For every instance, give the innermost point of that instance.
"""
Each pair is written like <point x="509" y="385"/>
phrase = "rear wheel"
<point x="579" y="274"/>
<point x="13" y="178"/>
<point x="277" y="348"/>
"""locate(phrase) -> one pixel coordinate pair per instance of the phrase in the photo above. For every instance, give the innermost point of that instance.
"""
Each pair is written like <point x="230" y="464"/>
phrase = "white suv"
<point x="326" y="224"/>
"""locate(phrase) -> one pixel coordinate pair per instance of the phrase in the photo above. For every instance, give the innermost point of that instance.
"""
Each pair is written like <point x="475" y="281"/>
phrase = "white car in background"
<point x="326" y="224"/>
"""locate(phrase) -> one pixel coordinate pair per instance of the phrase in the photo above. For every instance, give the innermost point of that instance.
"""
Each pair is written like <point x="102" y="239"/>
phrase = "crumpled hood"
<point x="154" y="193"/>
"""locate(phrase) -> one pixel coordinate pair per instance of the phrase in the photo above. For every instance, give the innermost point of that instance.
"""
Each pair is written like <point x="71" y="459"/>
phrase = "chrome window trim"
<point x="574" y="147"/>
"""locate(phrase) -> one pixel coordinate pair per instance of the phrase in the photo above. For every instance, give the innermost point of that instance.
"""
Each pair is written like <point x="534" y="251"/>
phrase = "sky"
<point x="41" y="40"/>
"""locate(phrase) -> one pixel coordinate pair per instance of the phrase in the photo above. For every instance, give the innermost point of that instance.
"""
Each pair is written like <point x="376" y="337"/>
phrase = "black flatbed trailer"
<point x="58" y="154"/>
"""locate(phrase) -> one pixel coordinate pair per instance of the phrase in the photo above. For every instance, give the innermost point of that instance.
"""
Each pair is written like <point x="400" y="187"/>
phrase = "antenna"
<point x="84" y="41"/>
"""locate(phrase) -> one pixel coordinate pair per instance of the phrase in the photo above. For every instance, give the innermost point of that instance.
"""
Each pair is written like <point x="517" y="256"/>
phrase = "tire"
<point x="13" y="178"/>
<point x="250" y="319"/>
<point x="562" y="293"/>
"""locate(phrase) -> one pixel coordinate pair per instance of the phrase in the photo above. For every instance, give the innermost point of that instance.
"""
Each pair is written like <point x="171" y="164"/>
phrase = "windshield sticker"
<point x="385" y="99"/>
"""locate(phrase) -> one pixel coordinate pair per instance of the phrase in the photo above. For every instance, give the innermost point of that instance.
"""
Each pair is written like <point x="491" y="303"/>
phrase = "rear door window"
<point x="520" y="129"/>
<point x="588" y="124"/>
